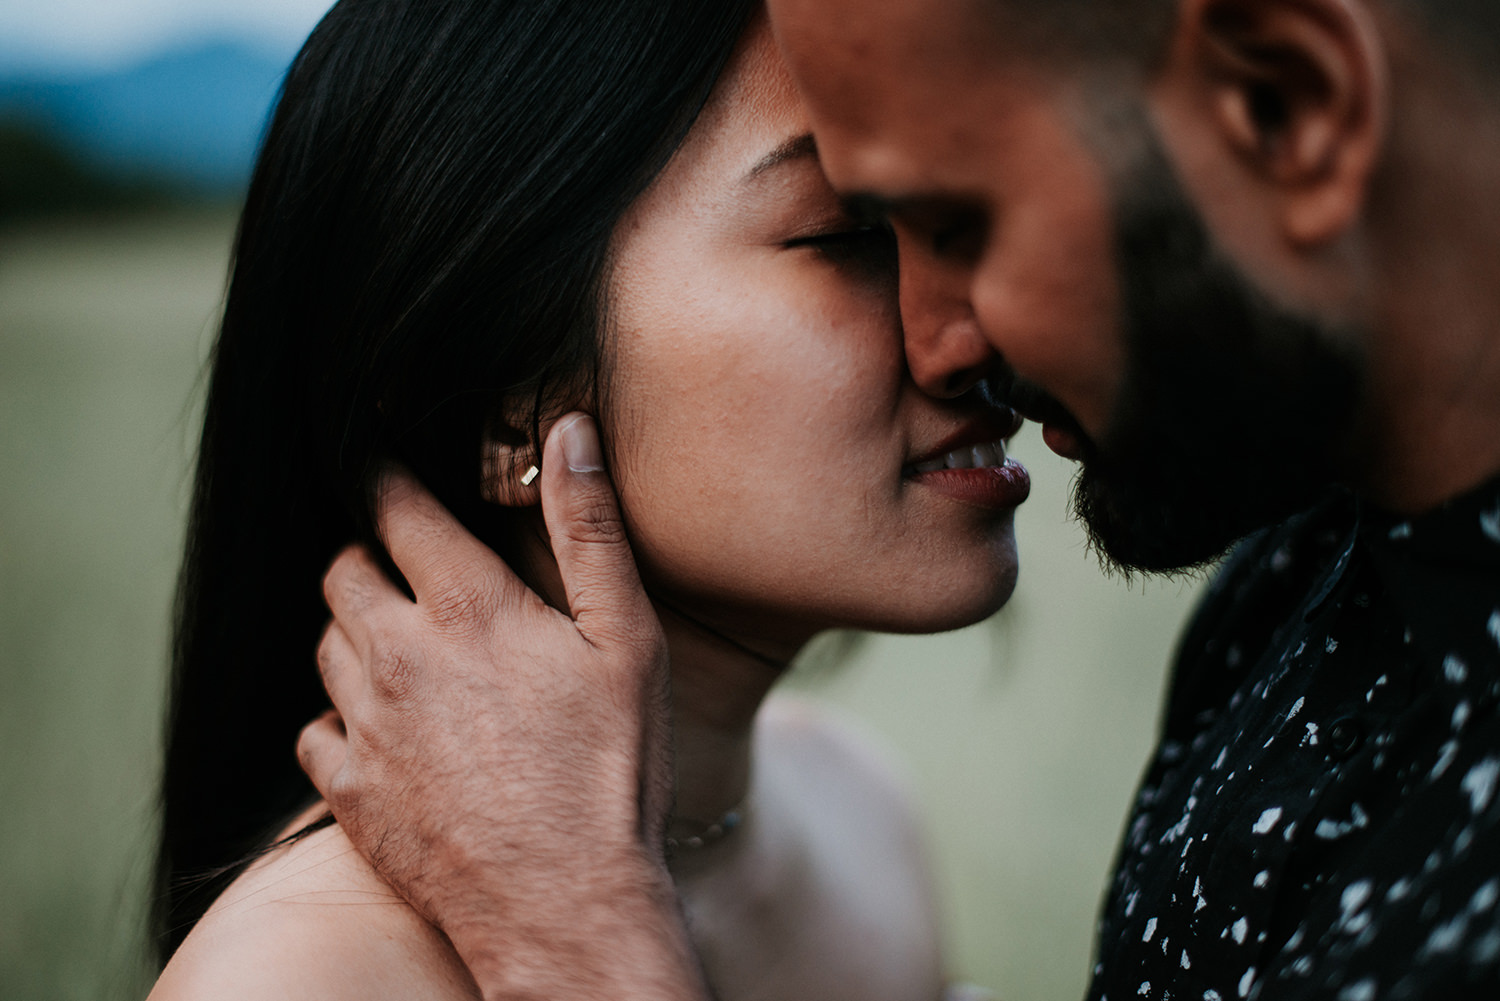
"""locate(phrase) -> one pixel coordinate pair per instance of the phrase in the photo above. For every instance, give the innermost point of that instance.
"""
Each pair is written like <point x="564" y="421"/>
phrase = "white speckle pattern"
<point x="1331" y="830"/>
<point x="1446" y="754"/>
<point x="1479" y="783"/>
<point x="1333" y="733"/>
<point x="1485" y="897"/>
<point x="1489" y="524"/>
<point x="1354" y="896"/>
<point x="1486" y="949"/>
<point x="1447" y="936"/>
<point x="1267" y="820"/>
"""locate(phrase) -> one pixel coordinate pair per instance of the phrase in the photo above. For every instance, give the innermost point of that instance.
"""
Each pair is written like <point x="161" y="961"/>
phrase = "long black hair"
<point x="425" y="236"/>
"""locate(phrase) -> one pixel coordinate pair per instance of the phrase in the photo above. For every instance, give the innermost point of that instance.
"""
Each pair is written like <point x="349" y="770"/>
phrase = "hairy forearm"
<point x="630" y="944"/>
<point x="502" y="764"/>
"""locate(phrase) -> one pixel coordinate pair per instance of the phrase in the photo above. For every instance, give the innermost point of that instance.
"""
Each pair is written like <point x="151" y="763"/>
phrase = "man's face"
<point x="1198" y="408"/>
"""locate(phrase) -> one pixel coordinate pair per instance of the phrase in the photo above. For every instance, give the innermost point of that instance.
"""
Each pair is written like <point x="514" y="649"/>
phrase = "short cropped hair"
<point x="1139" y="30"/>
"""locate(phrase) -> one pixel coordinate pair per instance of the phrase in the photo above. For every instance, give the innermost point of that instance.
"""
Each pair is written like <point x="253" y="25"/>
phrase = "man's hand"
<point x="506" y="766"/>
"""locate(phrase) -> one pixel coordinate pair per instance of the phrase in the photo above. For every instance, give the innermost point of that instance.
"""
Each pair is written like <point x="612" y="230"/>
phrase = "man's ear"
<point x="509" y="469"/>
<point x="1296" y="92"/>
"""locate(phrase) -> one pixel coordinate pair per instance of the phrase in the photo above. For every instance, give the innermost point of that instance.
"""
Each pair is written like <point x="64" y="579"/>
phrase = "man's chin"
<point x="1157" y="529"/>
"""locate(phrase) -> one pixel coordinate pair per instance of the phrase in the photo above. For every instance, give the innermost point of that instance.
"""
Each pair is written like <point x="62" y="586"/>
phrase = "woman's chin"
<point x="944" y="609"/>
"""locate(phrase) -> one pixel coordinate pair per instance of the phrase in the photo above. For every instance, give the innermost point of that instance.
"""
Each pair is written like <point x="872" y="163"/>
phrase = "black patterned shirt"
<point x="1322" y="816"/>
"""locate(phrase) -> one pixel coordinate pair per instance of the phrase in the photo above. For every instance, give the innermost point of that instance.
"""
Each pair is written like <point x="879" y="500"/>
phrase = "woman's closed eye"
<point x="870" y="248"/>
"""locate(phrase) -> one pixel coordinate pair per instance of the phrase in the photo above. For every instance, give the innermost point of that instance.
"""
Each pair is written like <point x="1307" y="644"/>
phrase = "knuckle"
<point x="597" y="519"/>
<point x="628" y="654"/>
<point x="343" y="579"/>
<point x="327" y="663"/>
<point x="394" y="675"/>
<point x="306" y="753"/>
<point x="347" y="592"/>
<point x="638" y="646"/>
<point x="311" y="743"/>
<point x="464" y="608"/>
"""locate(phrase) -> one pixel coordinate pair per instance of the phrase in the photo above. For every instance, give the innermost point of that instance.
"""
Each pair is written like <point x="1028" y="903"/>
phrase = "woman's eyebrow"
<point x="794" y="148"/>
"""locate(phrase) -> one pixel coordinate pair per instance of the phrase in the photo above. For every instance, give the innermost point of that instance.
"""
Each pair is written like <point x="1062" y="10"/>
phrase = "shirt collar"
<point x="1465" y="529"/>
<point x="1442" y="570"/>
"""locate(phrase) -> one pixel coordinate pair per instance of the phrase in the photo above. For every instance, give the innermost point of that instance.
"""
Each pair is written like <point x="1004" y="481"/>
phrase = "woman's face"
<point x="764" y="430"/>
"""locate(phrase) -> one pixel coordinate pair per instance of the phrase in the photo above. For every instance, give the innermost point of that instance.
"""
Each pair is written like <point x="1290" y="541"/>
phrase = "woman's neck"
<point x="718" y="685"/>
<point x="719" y="681"/>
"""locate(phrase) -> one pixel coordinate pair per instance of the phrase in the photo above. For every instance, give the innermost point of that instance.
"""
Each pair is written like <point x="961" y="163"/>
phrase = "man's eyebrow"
<point x="869" y="207"/>
<point x="794" y="148"/>
<point x="874" y="207"/>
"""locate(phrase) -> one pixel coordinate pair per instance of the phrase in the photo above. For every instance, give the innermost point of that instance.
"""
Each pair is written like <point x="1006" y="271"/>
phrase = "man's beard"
<point x="1234" y="412"/>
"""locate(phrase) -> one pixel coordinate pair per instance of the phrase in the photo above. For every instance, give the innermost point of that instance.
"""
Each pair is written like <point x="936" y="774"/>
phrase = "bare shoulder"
<point x="313" y="920"/>
<point x="851" y="811"/>
<point x="821" y="754"/>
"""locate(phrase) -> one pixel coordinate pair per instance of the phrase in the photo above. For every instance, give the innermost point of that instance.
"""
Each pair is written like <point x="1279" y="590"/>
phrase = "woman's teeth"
<point x="970" y="457"/>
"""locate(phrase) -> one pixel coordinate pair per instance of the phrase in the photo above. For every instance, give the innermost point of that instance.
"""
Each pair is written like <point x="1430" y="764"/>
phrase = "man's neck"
<point x="1434" y="423"/>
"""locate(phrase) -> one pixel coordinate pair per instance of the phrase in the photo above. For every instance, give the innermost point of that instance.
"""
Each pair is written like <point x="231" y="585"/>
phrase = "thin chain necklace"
<point x="710" y="833"/>
<point x="715" y="831"/>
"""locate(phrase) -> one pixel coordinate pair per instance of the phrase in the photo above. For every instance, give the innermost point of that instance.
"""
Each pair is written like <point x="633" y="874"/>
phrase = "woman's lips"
<point x="971" y="465"/>
<point x="1000" y="487"/>
<point x="979" y="474"/>
<point x="977" y="456"/>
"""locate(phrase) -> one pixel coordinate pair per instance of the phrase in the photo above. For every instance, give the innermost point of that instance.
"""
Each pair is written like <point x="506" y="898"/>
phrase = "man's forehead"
<point x="868" y="64"/>
<point x="893" y="35"/>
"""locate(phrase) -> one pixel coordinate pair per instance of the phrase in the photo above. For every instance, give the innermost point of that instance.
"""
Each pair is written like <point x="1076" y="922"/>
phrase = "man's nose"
<point x="945" y="348"/>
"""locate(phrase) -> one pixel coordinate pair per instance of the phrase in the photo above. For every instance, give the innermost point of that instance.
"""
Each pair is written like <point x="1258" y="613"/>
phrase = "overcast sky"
<point x="99" y="33"/>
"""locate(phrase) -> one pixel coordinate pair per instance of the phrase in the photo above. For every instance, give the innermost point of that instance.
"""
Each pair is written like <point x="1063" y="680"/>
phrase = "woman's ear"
<point x="1296" y="92"/>
<point x="510" y="472"/>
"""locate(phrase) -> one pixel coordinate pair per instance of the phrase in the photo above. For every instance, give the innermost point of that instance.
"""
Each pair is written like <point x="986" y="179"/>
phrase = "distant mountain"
<point x="190" y="117"/>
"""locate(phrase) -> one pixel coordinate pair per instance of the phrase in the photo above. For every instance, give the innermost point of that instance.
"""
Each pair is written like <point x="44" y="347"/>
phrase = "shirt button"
<point x="1345" y="735"/>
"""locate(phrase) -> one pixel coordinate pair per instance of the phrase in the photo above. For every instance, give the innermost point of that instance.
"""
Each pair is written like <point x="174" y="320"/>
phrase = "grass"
<point x="1023" y="736"/>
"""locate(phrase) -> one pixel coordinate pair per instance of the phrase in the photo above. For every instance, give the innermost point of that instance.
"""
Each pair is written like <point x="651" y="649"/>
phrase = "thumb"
<point x="605" y="596"/>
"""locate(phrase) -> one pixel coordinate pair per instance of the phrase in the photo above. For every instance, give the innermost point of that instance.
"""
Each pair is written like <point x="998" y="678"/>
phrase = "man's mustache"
<point x="1034" y="403"/>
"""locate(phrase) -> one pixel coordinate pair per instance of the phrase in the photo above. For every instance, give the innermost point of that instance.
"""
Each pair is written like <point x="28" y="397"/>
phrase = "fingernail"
<point x="580" y="445"/>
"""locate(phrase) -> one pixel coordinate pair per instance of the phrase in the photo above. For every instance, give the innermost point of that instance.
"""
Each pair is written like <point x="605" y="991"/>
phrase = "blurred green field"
<point x="1023" y="736"/>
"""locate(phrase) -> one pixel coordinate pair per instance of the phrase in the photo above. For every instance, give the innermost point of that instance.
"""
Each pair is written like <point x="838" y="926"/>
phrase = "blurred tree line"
<point x="42" y="177"/>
